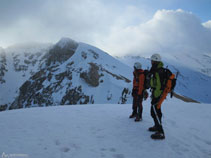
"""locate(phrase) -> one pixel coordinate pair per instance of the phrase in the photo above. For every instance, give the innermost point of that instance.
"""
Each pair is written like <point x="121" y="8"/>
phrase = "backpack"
<point x="147" y="75"/>
<point x="168" y="82"/>
<point x="166" y="75"/>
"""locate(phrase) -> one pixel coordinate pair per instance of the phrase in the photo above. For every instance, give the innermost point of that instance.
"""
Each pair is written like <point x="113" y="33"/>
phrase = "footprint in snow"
<point x="118" y="156"/>
<point x="65" y="149"/>
<point x="112" y="150"/>
<point x="57" y="142"/>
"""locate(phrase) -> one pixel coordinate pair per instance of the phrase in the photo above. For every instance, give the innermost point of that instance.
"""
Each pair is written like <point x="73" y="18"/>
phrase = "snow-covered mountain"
<point x="70" y="72"/>
<point x="194" y="79"/>
<point x="65" y="73"/>
<point x="105" y="131"/>
<point x="20" y="62"/>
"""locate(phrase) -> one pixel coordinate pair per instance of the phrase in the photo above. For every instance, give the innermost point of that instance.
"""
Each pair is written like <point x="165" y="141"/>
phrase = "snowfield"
<point x="105" y="131"/>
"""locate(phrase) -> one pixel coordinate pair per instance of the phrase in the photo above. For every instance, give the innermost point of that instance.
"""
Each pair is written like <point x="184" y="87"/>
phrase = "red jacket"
<point x="138" y="81"/>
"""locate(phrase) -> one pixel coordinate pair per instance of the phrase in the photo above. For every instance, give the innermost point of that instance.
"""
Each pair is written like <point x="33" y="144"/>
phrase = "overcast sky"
<point x="116" y="26"/>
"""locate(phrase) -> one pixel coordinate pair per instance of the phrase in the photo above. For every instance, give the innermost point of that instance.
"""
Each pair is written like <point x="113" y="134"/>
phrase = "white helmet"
<point x="156" y="57"/>
<point x="137" y="65"/>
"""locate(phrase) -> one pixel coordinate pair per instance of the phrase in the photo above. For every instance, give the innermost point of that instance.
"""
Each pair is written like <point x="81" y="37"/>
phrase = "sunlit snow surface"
<point x="105" y="131"/>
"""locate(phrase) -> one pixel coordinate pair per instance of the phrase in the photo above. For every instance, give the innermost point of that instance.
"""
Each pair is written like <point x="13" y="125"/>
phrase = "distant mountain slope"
<point x="20" y="62"/>
<point x="65" y="73"/>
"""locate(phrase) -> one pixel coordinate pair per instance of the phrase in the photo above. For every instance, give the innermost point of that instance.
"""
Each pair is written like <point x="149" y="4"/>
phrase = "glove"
<point x="133" y="93"/>
<point x="145" y="95"/>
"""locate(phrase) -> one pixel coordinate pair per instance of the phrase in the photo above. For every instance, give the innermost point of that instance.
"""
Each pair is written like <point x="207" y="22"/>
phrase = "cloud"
<point x="207" y="24"/>
<point x="117" y="28"/>
<point x="49" y="20"/>
<point x="169" y="31"/>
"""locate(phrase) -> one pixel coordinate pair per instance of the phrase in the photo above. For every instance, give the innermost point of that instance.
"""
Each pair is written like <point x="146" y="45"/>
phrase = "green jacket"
<point x="155" y="83"/>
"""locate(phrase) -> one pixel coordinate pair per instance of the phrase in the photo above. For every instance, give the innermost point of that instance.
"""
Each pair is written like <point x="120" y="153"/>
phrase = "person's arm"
<point x="141" y="84"/>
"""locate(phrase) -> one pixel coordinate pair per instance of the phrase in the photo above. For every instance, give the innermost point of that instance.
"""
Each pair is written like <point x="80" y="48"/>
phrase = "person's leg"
<point x="140" y="109"/>
<point x="159" y="113"/>
<point x="134" y="107"/>
<point x="155" y="127"/>
<point x="153" y="114"/>
<point x="158" y="124"/>
<point x="157" y="118"/>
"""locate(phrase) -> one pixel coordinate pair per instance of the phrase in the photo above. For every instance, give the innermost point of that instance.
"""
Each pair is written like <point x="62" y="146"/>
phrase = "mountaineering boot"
<point x="153" y="129"/>
<point x="133" y="115"/>
<point x="138" y="118"/>
<point x="158" y="135"/>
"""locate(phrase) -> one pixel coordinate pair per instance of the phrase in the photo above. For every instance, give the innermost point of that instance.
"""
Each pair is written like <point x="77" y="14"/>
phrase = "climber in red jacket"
<point x="138" y="91"/>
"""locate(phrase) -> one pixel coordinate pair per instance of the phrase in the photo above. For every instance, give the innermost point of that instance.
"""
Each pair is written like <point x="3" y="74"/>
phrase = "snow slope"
<point x="104" y="130"/>
<point x="22" y="61"/>
<point x="65" y="73"/>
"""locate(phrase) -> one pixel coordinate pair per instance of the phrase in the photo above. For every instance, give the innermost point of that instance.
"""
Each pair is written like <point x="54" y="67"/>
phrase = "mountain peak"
<point x="65" y="41"/>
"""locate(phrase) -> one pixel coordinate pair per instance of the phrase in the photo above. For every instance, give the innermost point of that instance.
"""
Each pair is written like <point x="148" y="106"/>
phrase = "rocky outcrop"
<point x="32" y="92"/>
<point x="125" y="93"/>
<point x="62" y="51"/>
<point x="75" y="96"/>
<point x="3" y="66"/>
<point x="3" y="107"/>
<point x="92" y="76"/>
